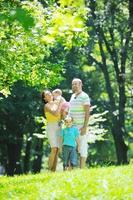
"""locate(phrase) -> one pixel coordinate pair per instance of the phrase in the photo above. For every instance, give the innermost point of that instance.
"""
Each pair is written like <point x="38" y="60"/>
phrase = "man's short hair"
<point x="77" y="79"/>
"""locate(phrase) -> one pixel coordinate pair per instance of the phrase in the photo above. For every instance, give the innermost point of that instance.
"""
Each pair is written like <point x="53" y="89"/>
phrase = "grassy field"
<point x="105" y="183"/>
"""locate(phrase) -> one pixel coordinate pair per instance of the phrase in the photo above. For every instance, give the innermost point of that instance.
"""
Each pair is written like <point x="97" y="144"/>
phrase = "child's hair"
<point x="68" y="118"/>
<point x="58" y="91"/>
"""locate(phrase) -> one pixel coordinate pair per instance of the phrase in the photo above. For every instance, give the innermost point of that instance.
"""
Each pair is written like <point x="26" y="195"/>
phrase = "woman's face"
<point x="48" y="96"/>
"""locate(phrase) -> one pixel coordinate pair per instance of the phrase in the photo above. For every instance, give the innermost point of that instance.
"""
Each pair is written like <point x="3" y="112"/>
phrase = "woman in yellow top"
<point x="52" y="113"/>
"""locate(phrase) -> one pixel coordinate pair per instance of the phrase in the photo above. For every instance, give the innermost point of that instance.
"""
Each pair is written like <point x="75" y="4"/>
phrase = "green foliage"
<point x="66" y="26"/>
<point x="96" y="129"/>
<point x="18" y="14"/>
<point x="28" y="32"/>
<point x="110" y="50"/>
<point x="19" y="108"/>
<point x="78" y="3"/>
<point x="18" y="124"/>
<point x="53" y="41"/>
<point x="22" y="53"/>
<point x="96" y="183"/>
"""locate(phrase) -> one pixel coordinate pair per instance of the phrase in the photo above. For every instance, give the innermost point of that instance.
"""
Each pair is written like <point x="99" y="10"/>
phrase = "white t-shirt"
<point x="76" y="110"/>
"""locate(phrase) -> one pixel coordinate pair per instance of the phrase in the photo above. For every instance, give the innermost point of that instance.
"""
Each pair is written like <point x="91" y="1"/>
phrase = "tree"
<point x="112" y="39"/>
<point x="28" y="32"/>
<point x="18" y="124"/>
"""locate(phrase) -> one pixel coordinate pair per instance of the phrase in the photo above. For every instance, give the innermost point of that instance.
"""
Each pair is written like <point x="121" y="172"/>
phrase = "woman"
<point x="52" y="113"/>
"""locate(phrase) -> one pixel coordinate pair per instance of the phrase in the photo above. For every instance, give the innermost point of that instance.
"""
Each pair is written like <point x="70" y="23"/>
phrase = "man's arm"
<point x="86" y="119"/>
<point x="77" y="141"/>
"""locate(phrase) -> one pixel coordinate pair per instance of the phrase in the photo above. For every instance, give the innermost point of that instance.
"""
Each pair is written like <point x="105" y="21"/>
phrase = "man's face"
<point x="76" y="86"/>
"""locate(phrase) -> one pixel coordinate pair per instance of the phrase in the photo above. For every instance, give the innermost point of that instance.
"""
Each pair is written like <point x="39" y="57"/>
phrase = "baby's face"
<point x="55" y="95"/>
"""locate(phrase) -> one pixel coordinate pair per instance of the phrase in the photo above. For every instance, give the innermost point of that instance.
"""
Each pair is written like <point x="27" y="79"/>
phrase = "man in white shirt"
<point x="80" y="112"/>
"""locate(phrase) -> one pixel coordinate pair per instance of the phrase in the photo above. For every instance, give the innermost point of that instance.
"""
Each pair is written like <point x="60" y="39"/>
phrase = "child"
<point x="70" y="139"/>
<point x="57" y="94"/>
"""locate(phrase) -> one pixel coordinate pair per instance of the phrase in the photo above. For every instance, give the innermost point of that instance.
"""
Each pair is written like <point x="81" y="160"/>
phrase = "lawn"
<point x="103" y="183"/>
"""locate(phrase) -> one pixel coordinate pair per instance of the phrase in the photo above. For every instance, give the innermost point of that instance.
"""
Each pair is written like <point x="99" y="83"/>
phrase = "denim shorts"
<point x="69" y="156"/>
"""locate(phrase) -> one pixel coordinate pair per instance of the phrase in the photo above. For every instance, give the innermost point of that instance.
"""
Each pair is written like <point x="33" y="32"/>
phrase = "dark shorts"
<point x="69" y="156"/>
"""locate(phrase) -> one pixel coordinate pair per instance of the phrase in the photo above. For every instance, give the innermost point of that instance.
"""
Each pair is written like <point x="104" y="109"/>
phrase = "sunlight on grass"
<point x="108" y="183"/>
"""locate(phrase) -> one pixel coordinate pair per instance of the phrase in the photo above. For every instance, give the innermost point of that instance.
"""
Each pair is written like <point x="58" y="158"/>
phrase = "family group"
<point x="67" y="124"/>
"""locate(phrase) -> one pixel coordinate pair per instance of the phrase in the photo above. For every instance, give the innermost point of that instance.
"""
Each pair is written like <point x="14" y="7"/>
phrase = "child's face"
<point x="55" y="95"/>
<point x="68" y="122"/>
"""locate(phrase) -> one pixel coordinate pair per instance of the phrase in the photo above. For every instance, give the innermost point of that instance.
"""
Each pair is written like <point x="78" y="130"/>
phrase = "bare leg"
<point x="82" y="162"/>
<point x="64" y="168"/>
<point x="52" y="158"/>
<point x="70" y="168"/>
<point x="55" y="160"/>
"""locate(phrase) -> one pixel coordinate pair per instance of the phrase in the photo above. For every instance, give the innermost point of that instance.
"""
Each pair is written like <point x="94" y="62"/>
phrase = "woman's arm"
<point x="50" y="110"/>
<point x="53" y="111"/>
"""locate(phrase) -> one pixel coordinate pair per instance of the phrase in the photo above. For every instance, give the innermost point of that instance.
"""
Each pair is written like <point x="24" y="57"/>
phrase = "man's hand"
<point x="83" y="130"/>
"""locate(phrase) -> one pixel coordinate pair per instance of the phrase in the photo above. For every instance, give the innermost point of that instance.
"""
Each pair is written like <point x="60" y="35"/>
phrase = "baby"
<point x="59" y="99"/>
<point x="57" y="94"/>
<point x="69" y="137"/>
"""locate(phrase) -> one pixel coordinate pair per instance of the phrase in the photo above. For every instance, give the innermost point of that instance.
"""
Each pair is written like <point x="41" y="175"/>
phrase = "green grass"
<point x="105" y="183"/>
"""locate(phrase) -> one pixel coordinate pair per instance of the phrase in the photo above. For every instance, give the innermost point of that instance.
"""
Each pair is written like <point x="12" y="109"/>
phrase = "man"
<point x="80" y="111"/>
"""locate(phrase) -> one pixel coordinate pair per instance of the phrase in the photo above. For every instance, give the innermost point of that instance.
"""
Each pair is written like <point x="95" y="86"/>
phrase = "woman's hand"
<point x="48" y="108"/>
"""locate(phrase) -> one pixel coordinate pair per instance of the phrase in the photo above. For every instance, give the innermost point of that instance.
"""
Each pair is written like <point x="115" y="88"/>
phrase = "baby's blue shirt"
<point x="69" y="135"/>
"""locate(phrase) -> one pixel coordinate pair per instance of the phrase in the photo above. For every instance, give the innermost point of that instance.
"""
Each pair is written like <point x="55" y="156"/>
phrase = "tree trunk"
<point x="118" y="122"/>
<point x="27" y="157"/>
<point x="38" y="157"/>
<point x="120" y="146"/>
<point x="14" y="165"/>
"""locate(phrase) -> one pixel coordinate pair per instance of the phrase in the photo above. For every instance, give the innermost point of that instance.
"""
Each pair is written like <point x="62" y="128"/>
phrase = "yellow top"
<point x="52" y="118"/>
